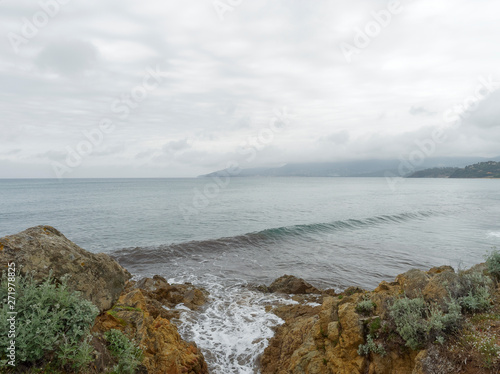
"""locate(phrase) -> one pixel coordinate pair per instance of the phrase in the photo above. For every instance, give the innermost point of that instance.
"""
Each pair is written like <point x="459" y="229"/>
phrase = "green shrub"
<point x="128" y="354"/>
<point x="419" y="323"/>
<point x="365" y="307"/>
<point x="478" y="301"/>
<point x="409" y="317"/>
<point x="439" y="323"/>
<point x="493" y="263"/>
<point x="466" y="283"/>
<point x="472" y="291"/>
<point x="51" y="322"/>
<point x="371" y="346"/>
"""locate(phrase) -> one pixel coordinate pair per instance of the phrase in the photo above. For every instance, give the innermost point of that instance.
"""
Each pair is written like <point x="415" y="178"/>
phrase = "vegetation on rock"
<point x="52" y="325"/>
<point x="58" y="325"/>
<point x="365" y="307"/>
<point x="128" y="354"/>
<point x="437" y="321"/>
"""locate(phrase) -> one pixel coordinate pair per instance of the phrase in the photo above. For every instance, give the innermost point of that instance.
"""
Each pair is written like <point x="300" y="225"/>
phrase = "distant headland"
<point x="488" y="169"/>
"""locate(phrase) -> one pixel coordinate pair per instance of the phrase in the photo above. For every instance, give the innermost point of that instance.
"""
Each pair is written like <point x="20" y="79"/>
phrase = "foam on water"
<point x="494" y="234"/>
<point x="233" y="329"/>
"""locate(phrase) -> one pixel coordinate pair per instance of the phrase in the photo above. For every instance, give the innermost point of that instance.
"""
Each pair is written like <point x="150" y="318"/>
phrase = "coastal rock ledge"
<point x="140" y="310"/>
<point x="425" y="322"/>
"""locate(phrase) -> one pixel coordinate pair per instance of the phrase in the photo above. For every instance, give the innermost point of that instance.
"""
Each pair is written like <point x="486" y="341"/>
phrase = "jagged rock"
<point x="171" y="295"/>
<point x="325" y="343"/>
<point x="164" y="350"/>
<point x="317" y="344"/>
<point x="287" y="340"/>
<point x="292" y="285"/>
<point x="326" y="340"/>
<point x="43" y="250"/>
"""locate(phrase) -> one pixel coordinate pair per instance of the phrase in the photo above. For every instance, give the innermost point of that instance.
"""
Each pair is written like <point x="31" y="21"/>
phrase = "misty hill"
<point x="434" y="173"/>
<point x="358" y="168"/>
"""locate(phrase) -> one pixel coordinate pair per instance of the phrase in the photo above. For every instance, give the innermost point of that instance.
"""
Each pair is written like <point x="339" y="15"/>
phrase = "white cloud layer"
<point x="67" y="65"/>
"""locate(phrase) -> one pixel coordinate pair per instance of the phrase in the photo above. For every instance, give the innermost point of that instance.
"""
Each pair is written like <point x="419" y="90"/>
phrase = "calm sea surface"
<point x="334" y="232"/>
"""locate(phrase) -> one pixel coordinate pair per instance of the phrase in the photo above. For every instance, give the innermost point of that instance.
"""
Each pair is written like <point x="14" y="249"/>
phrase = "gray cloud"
<point x="416" y="111"/>
<point x="176" y="145"/>
<point x="340" y="137"/>
<point x="222" y="81"/>
<point x="68" y="57"/>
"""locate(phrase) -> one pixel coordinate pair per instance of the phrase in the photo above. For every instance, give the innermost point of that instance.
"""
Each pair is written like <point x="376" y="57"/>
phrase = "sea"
<point x="229" y="235"/>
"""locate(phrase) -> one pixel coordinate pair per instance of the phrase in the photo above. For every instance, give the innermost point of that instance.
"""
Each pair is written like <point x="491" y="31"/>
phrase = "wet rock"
<point x="289" y="284"/>
<point x="43" y="250"/>
<point x="170" y="295"/>
<point x="292" y="312"/>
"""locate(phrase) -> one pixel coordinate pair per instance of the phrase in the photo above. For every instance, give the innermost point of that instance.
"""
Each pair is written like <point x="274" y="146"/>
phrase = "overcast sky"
<point x="182" y="87"/>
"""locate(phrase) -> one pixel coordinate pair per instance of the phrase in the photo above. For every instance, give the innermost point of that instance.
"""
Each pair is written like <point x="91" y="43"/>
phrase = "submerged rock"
<point x="43" y="250"/>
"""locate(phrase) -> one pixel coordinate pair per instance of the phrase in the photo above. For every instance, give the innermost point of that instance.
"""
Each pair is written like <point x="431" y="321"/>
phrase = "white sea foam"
<point x="495" y="234"/>
<point x="233" y="329"/>
<point x="181" y="306"/>
<point x="313" y="304"/>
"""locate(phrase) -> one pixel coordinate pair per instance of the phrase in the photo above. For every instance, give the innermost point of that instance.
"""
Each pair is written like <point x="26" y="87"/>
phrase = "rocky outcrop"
<point x="43" y="250"/>
<point x="326" y="339"/>
<point x="164" y="350"/>
<point x="290" y="284"/>
<point x="170" y="295"/>
<point x="142" y="310"/>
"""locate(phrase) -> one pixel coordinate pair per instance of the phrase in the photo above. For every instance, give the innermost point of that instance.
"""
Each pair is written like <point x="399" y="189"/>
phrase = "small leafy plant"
<point x="365" y="307"/>
<point x="371" y="346"/>
<point x="128" y="354"/>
